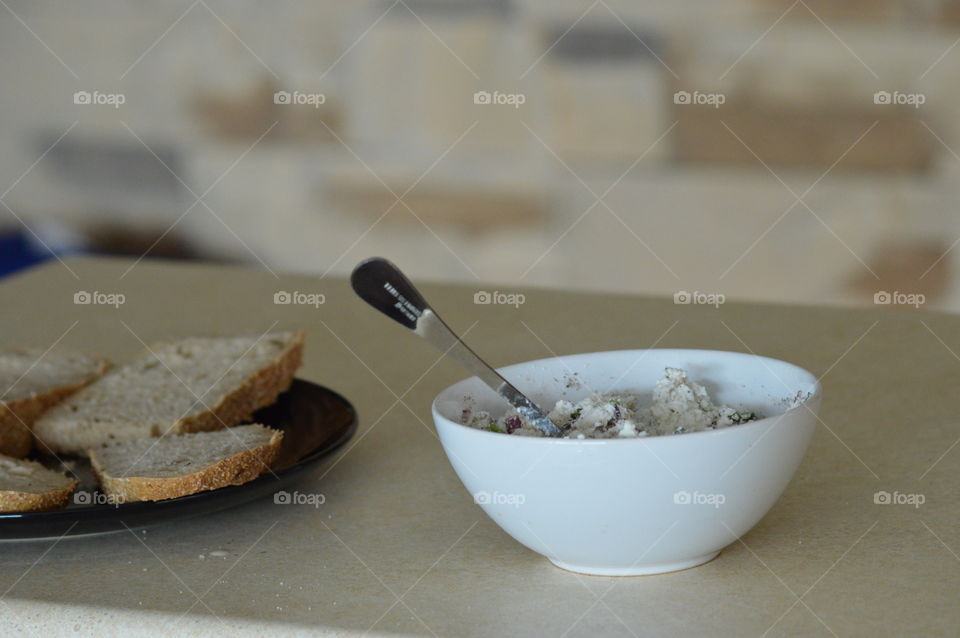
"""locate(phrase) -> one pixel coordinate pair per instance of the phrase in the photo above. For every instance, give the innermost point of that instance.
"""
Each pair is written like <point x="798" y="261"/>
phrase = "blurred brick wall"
<point x="765" y="149"/>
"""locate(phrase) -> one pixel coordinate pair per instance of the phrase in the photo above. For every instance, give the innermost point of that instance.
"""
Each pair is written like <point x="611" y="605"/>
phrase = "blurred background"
<point x="801" y="151"/>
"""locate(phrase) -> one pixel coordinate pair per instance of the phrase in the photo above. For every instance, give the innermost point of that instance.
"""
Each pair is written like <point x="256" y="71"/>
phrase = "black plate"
<point x="315" y="421"/>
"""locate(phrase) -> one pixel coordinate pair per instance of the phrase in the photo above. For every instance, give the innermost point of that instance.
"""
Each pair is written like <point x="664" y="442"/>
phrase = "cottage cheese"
<point x="678" y="405"/>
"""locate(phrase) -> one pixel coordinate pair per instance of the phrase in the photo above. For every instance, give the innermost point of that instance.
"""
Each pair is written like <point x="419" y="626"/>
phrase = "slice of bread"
<point x="181" y="464"/>
<point x="27" y="486"/>
<point x="191" y="385"/>
<point x="31" y="381"/>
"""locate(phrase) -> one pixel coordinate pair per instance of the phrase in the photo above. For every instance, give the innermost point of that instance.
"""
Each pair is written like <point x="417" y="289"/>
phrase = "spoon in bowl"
<point x="382" y="285"/>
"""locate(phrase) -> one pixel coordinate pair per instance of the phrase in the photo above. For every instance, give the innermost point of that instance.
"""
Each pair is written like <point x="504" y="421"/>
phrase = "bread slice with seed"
<point x="27" y="486"/>
<point x="181" y="464"/>
<point x="190" y="385"/>
<point x="31" y="381"/>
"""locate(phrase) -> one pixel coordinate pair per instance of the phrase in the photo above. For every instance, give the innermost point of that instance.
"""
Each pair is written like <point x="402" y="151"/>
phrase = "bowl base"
<point x="637" y="570"/>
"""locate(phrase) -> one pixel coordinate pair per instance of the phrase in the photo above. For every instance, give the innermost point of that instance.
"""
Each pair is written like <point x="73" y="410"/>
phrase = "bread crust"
<point x="260" y="389"/>
<point x="16" y="417"/>
<point x="30" y="502"/>
<point x="21" y="501"/>
<point x="235" y="470"/>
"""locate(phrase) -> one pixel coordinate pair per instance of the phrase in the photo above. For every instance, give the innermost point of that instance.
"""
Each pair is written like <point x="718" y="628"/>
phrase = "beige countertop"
<point x="399" y="548"/>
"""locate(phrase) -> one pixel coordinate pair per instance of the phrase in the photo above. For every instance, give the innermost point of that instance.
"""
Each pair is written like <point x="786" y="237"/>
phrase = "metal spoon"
<point x="383" y="286"/>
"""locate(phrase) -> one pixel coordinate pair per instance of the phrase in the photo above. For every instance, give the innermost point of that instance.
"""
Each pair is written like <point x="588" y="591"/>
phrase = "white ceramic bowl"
<point x="634" y="506"/>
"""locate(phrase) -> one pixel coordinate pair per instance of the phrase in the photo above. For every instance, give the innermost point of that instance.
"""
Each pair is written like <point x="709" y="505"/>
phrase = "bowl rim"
<point x="764" y="423"/>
